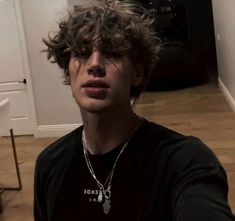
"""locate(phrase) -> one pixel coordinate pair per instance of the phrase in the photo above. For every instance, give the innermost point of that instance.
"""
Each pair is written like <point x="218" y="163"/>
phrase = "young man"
<point x="119" y="166"/>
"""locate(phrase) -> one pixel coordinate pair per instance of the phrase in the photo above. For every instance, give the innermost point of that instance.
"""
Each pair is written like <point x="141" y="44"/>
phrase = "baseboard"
<point x="226" y="94"/>
<point x="58" y="130"/>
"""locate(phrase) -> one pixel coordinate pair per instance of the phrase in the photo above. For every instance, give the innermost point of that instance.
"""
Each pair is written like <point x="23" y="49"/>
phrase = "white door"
<point x="15" y="82"/>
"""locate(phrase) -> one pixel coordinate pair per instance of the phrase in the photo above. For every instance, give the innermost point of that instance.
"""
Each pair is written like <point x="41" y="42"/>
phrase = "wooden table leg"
<point x="1" y="205"/>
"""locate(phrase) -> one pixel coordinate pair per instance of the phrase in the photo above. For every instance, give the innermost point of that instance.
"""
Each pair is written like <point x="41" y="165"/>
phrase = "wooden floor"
<point x="200" y="111"/>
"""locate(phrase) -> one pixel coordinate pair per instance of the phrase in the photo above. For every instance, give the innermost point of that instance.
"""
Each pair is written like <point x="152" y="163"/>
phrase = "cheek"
<point x="118" y="78"/>
<point x="74" y="68"/>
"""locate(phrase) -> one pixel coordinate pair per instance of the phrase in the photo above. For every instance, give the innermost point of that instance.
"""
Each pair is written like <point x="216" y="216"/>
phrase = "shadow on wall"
<point x="177" y="68"/>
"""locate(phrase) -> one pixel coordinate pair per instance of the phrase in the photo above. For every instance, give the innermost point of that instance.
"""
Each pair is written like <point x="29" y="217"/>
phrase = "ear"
<point x="67" y="79"/>
<point x="138" y="75"/>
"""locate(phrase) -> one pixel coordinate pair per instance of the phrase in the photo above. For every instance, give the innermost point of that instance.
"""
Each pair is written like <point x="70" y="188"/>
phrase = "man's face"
<point x="100" y="80"/>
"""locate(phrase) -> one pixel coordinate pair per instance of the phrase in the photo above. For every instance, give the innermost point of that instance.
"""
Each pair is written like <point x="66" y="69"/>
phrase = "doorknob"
<point x="24" y="81"/>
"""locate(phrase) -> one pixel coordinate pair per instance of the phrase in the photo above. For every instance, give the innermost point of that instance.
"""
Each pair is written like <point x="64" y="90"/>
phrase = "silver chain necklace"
<point x="104" y="189"/>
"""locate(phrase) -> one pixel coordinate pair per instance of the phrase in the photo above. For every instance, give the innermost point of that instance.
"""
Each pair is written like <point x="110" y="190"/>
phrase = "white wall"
<point x="53" y="101"/>
<point x="224" y="21"/>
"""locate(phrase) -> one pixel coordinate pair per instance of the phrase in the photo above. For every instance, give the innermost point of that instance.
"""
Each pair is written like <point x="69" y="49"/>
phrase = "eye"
<point x="83" y="53"/>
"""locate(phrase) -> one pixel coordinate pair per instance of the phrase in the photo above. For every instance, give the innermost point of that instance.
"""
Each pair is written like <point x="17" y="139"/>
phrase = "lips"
<point x="96" y="89"/>
<point x="95" y="84"/>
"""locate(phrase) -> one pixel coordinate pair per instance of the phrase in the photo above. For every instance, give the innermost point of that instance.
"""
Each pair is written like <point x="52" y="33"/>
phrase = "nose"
<point x="96" y="65"/>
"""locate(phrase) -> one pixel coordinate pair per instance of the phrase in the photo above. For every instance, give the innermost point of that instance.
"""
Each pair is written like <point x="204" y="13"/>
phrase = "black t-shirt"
<point x="161" y="176"/>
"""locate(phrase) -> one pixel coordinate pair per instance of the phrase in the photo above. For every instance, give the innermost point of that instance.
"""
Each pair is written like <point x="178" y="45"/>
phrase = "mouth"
<point x="96" y="89"/>
<point x="95" y="84"/>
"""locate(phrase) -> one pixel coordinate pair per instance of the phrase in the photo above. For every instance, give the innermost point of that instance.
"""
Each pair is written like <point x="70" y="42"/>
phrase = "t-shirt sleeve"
<point x="201" y="189"/>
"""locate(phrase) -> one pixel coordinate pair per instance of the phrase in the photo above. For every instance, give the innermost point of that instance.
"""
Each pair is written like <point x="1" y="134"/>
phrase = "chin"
<point x="96" y="107"/>
<point x="100" y="105"/>
<point x="95" y="110"/>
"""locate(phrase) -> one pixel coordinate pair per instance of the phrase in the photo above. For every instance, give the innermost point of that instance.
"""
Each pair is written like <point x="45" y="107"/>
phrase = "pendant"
<point x="107" y="193"/>
<point x="106" y="206"/>
<point x="100" y="196"/>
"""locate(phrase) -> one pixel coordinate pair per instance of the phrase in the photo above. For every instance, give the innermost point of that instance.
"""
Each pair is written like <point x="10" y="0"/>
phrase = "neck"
<point x="104" y="132"/>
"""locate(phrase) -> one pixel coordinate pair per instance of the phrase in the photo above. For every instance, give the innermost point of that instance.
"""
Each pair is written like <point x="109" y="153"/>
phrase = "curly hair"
<point x="118" y="26"/>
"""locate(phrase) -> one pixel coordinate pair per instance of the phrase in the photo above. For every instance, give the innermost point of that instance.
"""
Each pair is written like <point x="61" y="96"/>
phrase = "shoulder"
<point x="177" y="150"/>
<point x="193" y="155"/>
<point x="58" y="151"/>
<point x="159" y="134"/>
<point x="191" y="150"/>
<point x="181" y="159"/>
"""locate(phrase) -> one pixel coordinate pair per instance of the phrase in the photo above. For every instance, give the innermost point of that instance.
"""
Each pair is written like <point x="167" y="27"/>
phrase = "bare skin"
<point x="101" y="86"/>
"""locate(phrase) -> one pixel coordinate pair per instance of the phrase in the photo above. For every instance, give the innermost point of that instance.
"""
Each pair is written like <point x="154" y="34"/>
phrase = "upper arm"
<point x="200" y="189"/>
<point x="203" y="199"/>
